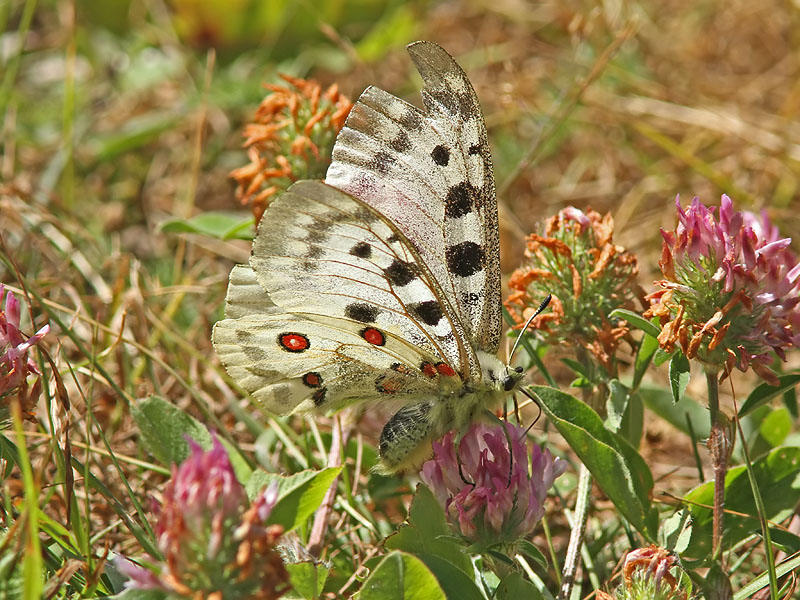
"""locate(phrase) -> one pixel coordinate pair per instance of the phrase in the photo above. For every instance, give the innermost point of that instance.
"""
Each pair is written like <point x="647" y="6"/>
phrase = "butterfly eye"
<point x="519" y="369"/>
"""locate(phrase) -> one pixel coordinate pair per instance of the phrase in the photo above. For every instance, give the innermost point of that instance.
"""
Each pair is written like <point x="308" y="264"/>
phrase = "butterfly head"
<point x="512" y="377"/>
<point x="497" y="376"/>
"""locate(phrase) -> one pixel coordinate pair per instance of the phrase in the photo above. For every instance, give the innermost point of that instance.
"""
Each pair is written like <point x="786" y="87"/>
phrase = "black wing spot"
<point x="411" y="119"/>
<point x="464" y="259"/>
<point x="429" y="312"/>
<point x="466" y="105"/>
<point x="382" y="162"/>
<point x="319" y="396"/>
<point x="400" y="272"/>
<point x="401" y="143"/>
<point x="362" y="250"/>
<point x="316" y="236"/>
<point x="441" y="155"/>
<point x="460" y="200"/>
<point x="314" y="252"/>
<point x="475" y="149"/>
<point x="360" y="311"/>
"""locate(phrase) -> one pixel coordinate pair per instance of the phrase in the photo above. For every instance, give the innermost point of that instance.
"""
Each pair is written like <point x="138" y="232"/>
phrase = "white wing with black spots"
<point x="292" y="364"/>
<point x="332" y="257"/>
<point x="430" y="173"/>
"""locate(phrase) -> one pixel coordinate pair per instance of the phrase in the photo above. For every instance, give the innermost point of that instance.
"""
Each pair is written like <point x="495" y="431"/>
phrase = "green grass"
<point x="115" y="122"/>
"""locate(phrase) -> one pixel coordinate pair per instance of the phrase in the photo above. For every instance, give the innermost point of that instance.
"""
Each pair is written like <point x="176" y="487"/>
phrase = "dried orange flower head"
<point x="589" y="276"/>
<point x="646" y="573"/>
<point x="290" y="138"/>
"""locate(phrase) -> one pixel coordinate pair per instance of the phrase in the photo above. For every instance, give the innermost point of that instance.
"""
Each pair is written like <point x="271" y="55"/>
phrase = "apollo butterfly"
<point x="383" y="281"/>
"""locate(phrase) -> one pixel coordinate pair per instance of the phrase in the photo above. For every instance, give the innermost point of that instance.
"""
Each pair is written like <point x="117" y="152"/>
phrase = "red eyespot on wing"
<point x="293" y="342"/>
<point x="428" y="369"/>
<point x="445" y="369"/>
<point x="312" y="379"/>
<point x="401" y="368"/>
<point x="373" y="336"/>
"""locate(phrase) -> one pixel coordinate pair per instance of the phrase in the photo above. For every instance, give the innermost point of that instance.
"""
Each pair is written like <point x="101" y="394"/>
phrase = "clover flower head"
<point x="290" y="138"/>
<point x="731" y="289"/>
<point x="213" y="544"/>
<point x="489" y="508"/>
<point x="576" y="260"/>
<point x="15" y="363"/>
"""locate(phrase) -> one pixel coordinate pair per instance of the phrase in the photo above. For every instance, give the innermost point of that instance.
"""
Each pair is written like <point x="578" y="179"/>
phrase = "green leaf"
<point x="637" y="321"/>
<point x="579" y="369"/>
<point x="401" y="576"/>
<point x="785" y="540"/>
<point x="632" y="426"/>
<point x="618" y="469"/>
<point x="220" y="225"/>
<point x="528" y="549"/>
<point x="616" y="403"/>
<point x="778" y="481"/>
<point x="764" y="393"/>
<point x="717" y="585"/>
<point x="679" y="373"/>
<point x="775" y="427"/>
<point x="427" y="532"/>
<point x="307" y="578"/>
<point x="9" y="453"/>
<point x="661" y="357"/>
<point x="514" y="587"/>
<point x="675" y="532"/>
<point x="659" y="400"/>
<point x="300" y="495"/>
<point x="456" y="584"/>
<point x="644" y="355"/>
<point x="163" y="427"/>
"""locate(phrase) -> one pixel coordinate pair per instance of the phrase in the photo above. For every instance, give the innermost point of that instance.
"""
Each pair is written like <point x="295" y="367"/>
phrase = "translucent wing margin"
<point x="429" y="172"/>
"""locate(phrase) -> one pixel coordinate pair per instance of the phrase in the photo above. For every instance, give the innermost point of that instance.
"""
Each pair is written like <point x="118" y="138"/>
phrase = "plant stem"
<point x="573" y="557"/>
<point x="719" y="446"/>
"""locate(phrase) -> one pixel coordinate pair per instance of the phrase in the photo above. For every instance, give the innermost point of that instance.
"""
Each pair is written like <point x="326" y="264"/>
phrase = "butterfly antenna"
<point x="522" y="331"/>
<point x="536" y="402"/>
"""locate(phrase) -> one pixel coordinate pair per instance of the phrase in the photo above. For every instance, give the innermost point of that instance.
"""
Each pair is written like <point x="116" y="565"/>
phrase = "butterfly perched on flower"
<point x="383" y="281"/>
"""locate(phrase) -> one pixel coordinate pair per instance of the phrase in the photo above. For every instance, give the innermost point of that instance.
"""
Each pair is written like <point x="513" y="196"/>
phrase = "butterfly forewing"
<point x="332" y="257"/>
<point x="430" y="174"/>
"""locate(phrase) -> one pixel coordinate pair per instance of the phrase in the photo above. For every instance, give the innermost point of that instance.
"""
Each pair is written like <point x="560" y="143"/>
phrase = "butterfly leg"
<point x="401" y="444"/>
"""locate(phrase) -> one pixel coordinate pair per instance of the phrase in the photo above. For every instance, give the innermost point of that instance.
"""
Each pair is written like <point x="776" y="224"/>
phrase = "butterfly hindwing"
<point x="430" y="173"/>
<point x="292" y="364"/>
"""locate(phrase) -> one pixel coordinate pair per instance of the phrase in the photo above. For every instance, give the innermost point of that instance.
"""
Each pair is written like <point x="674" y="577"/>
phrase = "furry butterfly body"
<point x="383" y="282"/>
